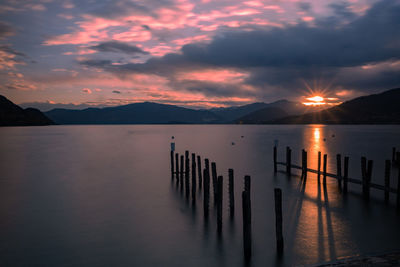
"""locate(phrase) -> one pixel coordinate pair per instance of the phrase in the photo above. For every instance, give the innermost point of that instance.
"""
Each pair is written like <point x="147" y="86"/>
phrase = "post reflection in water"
<point x="318" y="225"/>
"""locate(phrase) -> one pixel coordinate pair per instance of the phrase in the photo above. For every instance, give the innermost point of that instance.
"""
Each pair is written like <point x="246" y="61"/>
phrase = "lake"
<point x="103" y="196"/>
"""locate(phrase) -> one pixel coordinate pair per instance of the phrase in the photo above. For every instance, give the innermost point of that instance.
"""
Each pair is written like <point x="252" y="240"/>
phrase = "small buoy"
<point x="242" y="136"/>
<point x="233" y="143"/>
<point x="173" y="137"/>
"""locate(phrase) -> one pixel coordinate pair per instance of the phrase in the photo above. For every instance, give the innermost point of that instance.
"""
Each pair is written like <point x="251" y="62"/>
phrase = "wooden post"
<point x="288" y="161"/>
<point x="214" y="180"/>
<point x="278" y="220"/>
<point x="193" y="178"/>
<point x="339" y="169"/>
<point x="172" y="164"/>
<point x="199" y="171"/>
<point x="369" y="176"/>
<point x="324" y="169"/>
<point x="246" y="206"/>
<point x="177" y="166"/>
<point x="387" y="180"/>
<point x="181" y="173"/>
<point x="319" y="166"/>
<point x="231" y="193"/>
<point x="187" y="163"/>
<point x="364" y="175"/>
<point x="346" y="174"/>
<point x="275" y="158"/>
<point x="206" y="192"/>
<point x="219" y="204"/>
<point x="247" y="183"/>
<point x="207" y="166"/>
<point x="302" y="163"/>
<point x="305" y="164"/>
<point x="393" y="154"/>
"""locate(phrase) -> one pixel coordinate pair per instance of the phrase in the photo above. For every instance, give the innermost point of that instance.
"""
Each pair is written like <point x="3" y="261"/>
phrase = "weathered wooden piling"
<point x="305" y="165"/>
<point x="193" y="178"/>
<point x="199" y="171"/>
<point x="231" y="193"/>
<point x="206" y="193"/>
<point x="275" y="159"/>
<point x="302" y="163"/>
<point x="364" y="175"/>
<point x="187" y="186"/>
<point x="219" y="203"/>
<point x="187" y="163"/>
<point x="387" y="180"/>
<point x="246" y="207"/>
<point x="324" y="169"/>
<point x="172" y="164"/>
<point x="369" y="176"/>
<point x="288" y="161"/>
<point x="177" y="166"/>
<point x="397" y="160"/>
<point x="181" y="172"/>
<point x="339" y="169"/>
<point x="346" y="174"/>
<point x="214" y="180"/>
<point x="247" y="183"/>
<point x="278" y="220"/>
<point x="319" y="166"/>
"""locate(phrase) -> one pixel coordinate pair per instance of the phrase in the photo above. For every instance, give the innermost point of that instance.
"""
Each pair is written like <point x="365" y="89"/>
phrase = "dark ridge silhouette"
<point x="137" y="113"/>
<point x="383" y="108"/>
<point x="13" y="115"/>
<point x="262" y="115"/>
<point x="232" y="113"/>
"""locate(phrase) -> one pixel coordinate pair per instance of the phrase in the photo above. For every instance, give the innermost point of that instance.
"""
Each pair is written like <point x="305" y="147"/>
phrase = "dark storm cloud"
<point x="9" y="50"/>
<point x="304" y="6"/>
<point x="118" y="47"/>
<point x="287" y="56"/>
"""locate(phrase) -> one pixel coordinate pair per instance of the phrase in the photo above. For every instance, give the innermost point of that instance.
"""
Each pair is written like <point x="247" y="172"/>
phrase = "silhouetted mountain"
<point x="262" y="115"/>
<point x="13" y="115"/>
<point x="137" y="113"/>
<point x="232" y="113"/>
<point x="383" y="108"/>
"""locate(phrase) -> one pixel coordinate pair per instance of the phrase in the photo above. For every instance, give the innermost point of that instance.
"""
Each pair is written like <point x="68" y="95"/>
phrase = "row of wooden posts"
<point x="181" y="174"/>
<point x="366" y="172"/>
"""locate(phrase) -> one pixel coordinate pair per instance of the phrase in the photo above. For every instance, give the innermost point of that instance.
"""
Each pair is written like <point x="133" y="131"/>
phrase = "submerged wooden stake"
<point x="278" y="220"/>
<point x="181" y="172"/>
<point x="364" y="175"/>
<point x="319" y="166"/>
<point x="231" y="193"/>
<point x="193" y="178"/>
<point x="246" y="206"/>
<point x="177" y="166"/>
<point x="219" y="204"/>
<point x="199" y="171"/>
<point x="398" y="191"/>
<point x="324" y="169"/>
<point x="339" y="169"/>
<point x="288" y="161"/>
<point x="346" y="174"/>
<point x="387" y="180"/>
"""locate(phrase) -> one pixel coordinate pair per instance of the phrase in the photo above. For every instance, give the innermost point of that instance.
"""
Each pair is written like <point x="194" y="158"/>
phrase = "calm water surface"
<point x="103" y="196"/>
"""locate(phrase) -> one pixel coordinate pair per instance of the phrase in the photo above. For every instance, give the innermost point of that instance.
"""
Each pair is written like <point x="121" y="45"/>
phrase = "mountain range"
<point x="380" y="108"/>
<point x="13" y="115"/>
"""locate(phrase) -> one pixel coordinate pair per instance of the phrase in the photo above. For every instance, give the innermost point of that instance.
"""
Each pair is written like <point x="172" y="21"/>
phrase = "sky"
<point x="196" y="53"/>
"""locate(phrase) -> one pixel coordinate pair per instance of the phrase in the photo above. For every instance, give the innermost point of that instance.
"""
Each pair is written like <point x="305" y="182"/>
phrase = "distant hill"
<point x="13" y="115"/>
<point x="383" y="108"/>
<point x="232" y="113"/>
<point x="262" y="115"/>
<point x="137" y="113"/>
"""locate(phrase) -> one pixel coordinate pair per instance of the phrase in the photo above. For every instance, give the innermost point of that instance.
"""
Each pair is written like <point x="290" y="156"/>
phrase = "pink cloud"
<point x="87" y="90"/>
<point x="214" y="75"/>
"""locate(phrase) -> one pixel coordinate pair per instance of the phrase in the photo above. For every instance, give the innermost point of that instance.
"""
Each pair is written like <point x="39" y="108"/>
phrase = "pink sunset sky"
<point x="198" y="53"/>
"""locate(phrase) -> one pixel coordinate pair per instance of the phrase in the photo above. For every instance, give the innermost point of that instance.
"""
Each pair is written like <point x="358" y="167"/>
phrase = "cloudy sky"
<point x="198" y="53"/>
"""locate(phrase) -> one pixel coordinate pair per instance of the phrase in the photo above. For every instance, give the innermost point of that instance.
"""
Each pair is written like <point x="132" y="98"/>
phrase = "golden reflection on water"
<point x="318" y="229"/>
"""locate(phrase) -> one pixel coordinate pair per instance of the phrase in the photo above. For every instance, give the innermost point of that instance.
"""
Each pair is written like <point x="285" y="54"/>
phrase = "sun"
<point x="315" y="101"/>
